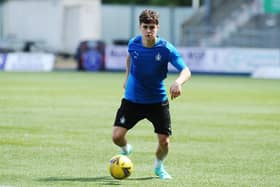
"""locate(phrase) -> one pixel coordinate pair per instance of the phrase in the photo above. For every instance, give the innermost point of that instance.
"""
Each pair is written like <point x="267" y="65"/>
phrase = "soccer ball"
<point x="120" y="167"/>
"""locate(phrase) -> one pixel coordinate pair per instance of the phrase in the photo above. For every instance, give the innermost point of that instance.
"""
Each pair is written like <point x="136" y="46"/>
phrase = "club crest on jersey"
<point x="158" y="57"/>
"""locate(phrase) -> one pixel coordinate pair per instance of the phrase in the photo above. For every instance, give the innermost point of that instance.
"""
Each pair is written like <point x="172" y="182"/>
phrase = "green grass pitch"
<point x="55" y="130"/>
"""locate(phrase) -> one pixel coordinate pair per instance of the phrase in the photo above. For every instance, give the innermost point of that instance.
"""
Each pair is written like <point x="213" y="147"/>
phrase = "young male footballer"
<point x="145" y="95"/>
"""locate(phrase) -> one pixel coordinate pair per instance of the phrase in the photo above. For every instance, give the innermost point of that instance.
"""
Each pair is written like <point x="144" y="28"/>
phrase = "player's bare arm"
<point x="126" y="70"/>
<point x="176" y="87"/>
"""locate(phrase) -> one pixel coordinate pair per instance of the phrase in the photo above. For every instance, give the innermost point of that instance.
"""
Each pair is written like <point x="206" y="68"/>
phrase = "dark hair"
<point x="149" y="16"/>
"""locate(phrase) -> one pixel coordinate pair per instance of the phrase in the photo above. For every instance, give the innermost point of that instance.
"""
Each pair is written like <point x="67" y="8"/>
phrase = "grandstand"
<point x="232" y="23"/>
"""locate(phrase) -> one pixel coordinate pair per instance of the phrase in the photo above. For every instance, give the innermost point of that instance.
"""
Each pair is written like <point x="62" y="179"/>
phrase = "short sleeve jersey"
<point x="148" y="69"/>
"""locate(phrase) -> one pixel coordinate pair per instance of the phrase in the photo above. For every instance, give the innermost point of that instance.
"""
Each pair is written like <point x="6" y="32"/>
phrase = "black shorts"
<point x="158" y="114"/>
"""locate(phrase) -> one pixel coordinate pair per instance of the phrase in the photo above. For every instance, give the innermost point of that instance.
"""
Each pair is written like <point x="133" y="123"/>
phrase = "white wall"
<point x="32" y="20"/>
<point x="50" y="21"/>
<point x="62" y="24"/>
<point x="82" y="21"/>
<point x="115" y="22"/>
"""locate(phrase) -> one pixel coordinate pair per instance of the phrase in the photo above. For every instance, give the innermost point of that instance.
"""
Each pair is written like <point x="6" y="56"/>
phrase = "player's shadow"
<point x="141" y="178"/>
<point x="103" y="180"/>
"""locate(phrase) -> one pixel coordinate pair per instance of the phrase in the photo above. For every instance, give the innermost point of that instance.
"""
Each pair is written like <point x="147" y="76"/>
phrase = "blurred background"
<point x="214" y="36"/>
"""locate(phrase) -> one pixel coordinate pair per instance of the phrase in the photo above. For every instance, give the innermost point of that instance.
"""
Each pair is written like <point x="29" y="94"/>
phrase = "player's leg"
<point x="159" y="115"/>
<point x="118" y="136"/>
<point x="163" y="146"/>
<point x="119" y="139"/>
<point x="126" y="117"/>
<point x="161" y="153"/>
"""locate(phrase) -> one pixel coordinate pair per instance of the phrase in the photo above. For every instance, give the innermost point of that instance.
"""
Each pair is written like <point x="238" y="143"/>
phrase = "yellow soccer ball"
<point x="120" y="167"/>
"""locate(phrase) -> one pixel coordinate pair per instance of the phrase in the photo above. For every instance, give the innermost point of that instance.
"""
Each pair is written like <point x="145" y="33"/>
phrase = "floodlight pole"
<point x="132" y="21"/>
<point x="1" y="19"/>
<point x="195" y="4"/>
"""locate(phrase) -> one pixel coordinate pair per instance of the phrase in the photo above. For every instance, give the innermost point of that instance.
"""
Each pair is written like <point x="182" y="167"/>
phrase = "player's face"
<point x="149" y="31"/>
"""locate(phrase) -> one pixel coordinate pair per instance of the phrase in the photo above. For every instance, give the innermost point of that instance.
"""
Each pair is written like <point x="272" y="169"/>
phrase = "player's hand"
<point x="175" y="90"/>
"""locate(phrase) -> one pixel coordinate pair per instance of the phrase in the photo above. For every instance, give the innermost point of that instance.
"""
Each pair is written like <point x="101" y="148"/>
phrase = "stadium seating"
<point x="260" y="31"/>
<point x="232" y="23"/>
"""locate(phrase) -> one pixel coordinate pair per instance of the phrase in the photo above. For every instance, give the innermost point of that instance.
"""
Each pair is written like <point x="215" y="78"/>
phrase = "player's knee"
<point x="115" y="138"/>
<point x="118" y="138"/>
<point x="118" y="135"/>
<point x="164" y="142"/>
